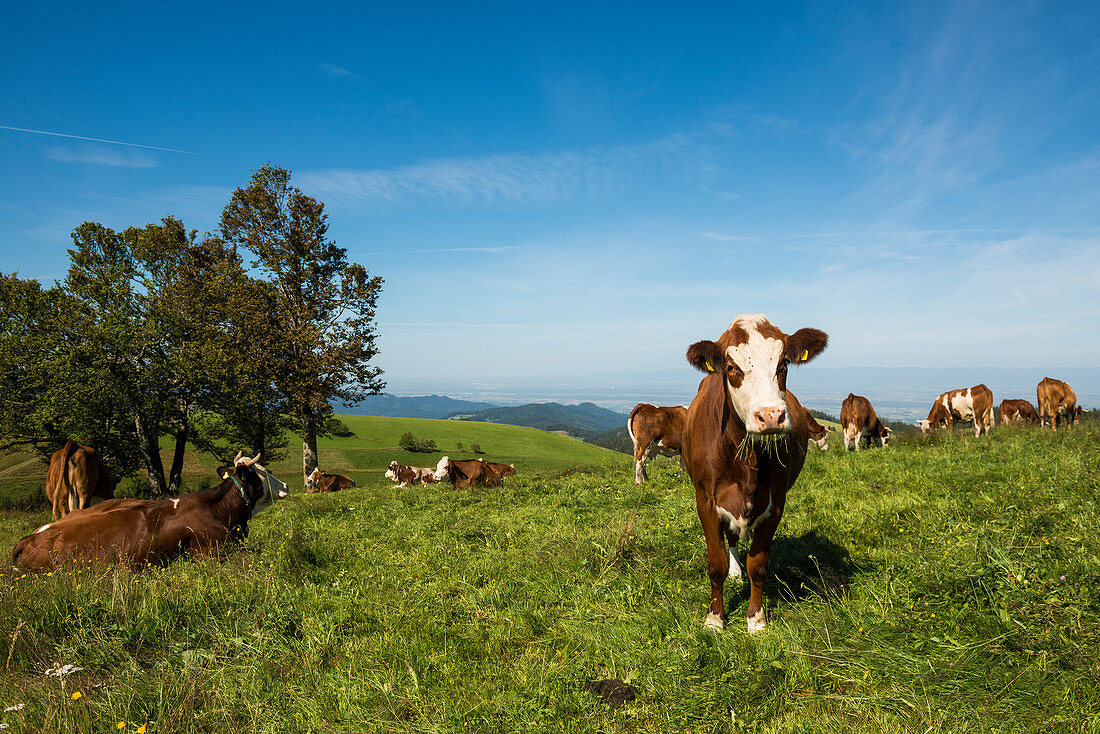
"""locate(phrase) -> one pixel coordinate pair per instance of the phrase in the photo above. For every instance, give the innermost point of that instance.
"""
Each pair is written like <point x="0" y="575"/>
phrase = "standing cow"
<point x="1057" y="403"/>
<point x="1018" y="411"/>
<point x="648" y="423"/>
<point x="77" y="479"/>
<point x="744" y="445"/>
<point x="859" y="421"/>
<point x="972" y="404"/>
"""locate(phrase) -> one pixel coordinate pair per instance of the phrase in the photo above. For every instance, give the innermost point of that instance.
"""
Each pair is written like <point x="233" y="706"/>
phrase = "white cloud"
<point x="102" y="157"/>
<point x="333" y="70"/>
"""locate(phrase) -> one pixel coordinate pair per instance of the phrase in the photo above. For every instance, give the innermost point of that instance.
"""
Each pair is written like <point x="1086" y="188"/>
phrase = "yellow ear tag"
<point x="225" y="475"/>
<point x="805" y="355"/>
<point x="709" y="368"/>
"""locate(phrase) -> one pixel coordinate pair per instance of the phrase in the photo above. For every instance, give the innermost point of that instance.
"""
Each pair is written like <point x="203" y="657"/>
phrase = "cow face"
<point x="823" y="442"/>
<point x="752" y="357"/>
<point x="441" y="468"/>
<point x="273" y="488"/>
<point x="884" y="436"/>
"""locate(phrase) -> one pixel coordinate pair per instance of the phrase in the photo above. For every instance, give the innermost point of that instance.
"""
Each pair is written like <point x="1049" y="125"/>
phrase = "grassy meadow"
<point x="941" y="584"/>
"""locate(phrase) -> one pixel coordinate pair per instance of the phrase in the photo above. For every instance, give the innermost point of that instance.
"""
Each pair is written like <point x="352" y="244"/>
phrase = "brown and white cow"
<point x="77" y="479"/>
<point x="1018" y="411"/>
<point x="404" y="474"/>
<point x="819" y="434"/>
<point x="859" y="421"/>
<point x="319" y="481"/>
<point x="648" y="423"/>
<point x="1057" y="403"/>
<point x="744" y="445"/>
<point x="140" y="532"/>
<point x="466" y="472"/>
<point x="969" y="404"/>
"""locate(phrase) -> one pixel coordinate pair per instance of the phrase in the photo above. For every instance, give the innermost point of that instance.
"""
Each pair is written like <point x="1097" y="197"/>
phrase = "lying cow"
<point x="138" y="532"/>
<point x="819" y="434"/>
<point x="648" y="423"/>
<point x="320" y="481"/>
<point x="972" y="404"/>
<point x="77" y="479"/>
<point x="1018" y="411"/>
<point x="463" y="473"/>
<point x="405" y="474"/>
<point x="1057" y="403"/>
<point x="744" y="445"/>
<point x="859" y="422"/>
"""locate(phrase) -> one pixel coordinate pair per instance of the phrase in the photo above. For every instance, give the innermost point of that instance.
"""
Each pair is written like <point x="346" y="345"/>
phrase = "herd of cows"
<point x="742" y="442"/>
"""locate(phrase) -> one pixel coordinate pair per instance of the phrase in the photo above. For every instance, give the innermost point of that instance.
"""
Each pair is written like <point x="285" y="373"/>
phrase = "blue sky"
<point x="553" y="190"/>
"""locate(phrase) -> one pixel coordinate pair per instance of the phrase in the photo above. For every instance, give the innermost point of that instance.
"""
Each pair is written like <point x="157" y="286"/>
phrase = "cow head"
<point x="823" y="442"/>
<point x="312" y="481"/>
<point x="391" y="473"/>
<point x="752" y="358"/>
<point x="441" y="468"/>
<point x="270" y="488"/>
<point x="884" y="436"/>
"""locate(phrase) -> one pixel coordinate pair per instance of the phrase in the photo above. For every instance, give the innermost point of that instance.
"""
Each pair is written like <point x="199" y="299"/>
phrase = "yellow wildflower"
<point x="76" y="695"/>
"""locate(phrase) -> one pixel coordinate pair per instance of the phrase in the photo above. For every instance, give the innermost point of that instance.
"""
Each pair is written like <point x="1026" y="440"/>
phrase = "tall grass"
<point x="942" y="584"/>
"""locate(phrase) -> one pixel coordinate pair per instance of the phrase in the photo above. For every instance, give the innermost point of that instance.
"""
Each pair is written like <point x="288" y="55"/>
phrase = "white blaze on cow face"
<point x="274" y="489"/>
<point x="441" y="468"/>
<point x="758" y="400"/>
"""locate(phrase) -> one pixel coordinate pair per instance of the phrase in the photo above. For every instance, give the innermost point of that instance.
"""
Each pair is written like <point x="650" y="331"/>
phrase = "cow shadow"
<point x="807" y="565"/>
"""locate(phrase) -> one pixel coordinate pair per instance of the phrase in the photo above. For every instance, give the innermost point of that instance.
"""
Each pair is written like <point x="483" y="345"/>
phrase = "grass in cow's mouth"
<point x="945" y="584"/>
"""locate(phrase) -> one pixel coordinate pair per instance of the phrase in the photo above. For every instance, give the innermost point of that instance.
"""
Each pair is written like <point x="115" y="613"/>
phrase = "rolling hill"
<point x="424" y="406"/>
<point x="587" y="417"/>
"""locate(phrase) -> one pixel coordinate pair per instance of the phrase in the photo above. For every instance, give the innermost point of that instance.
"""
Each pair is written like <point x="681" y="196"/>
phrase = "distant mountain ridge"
<point x="576" y="419"/>
<point x="424" y="406"/>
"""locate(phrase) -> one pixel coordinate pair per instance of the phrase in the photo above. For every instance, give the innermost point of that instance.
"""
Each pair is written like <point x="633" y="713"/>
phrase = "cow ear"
<point x="805" y="344"/>
<point x="706" y="356"/>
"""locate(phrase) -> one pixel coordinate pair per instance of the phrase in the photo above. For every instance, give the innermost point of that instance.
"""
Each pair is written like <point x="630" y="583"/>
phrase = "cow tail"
<point x="630" y="427"/>
<point x="70" y="493"/>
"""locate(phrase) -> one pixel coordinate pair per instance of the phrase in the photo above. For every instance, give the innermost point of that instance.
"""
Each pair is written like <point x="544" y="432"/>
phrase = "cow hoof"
<point x="714" y="622"/>
<point x="757" y="623"/>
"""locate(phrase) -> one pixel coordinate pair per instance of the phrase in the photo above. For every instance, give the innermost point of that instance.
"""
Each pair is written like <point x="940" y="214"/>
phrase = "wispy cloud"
<point x="519" y="179"/>
<point x="333" y="70"/>
<point x="102" y="157"/>
<point x="94" y="140"/>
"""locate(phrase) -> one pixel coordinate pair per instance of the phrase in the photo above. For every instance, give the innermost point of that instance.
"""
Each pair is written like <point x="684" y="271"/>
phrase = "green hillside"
<point x="362" y="456"/>
<point x="947" y="584"/>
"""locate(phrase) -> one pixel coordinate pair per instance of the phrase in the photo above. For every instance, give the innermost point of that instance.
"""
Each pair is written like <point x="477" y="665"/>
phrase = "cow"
<point x="859" y="421"/>
<point x="405" y="474"/>
<point x="138" y="533"/>
<point x="1057" y="403"/>
<point x="77" y="479"/>
<point x="1018" y="411"/>
<point x="744" y="445"/>
<point x="466" y="472"/>
<point x="648" y="423"/>
<point x="819" y="434"/>
<point x="970" y="404"/>
<point x="320" y="481"/>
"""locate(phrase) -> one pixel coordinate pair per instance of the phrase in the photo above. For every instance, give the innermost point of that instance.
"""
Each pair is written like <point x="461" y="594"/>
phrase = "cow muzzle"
<point x="770" y="420"/>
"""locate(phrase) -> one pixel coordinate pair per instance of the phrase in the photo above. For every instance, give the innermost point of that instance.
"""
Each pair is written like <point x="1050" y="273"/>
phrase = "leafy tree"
<point x="322" y="304"/>
<point x="476" y="448"/>
<point x="458" y="446"/>
<point x="407" y="441"/>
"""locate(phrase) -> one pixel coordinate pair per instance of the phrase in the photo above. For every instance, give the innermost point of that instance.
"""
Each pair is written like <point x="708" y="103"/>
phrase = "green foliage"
<point x="336" y="427"/>
<point x="476" y="448"/>
<point x="414" y="445"/>
<point x="407" y="441"/>
<point x="912" y="590"/>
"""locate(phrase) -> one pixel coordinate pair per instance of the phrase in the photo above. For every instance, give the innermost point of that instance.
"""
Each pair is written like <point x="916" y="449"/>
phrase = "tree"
<point x="407" y="442"/>
<point x="322" y="304"/>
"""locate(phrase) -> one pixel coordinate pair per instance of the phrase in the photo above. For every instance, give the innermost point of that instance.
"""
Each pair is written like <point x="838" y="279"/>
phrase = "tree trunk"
<point x="309" y="441"/>
<point x="175" y="478"/>
<point x="150" y="449"/>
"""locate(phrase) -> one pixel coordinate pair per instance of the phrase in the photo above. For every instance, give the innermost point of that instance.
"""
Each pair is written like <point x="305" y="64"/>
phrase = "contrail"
<point x="95" y="140"/>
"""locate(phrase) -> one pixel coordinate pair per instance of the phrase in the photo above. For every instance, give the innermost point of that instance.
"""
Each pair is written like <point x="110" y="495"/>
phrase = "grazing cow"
<point x="972" y="404"/>
<point x="648" y="423"/>
<point x="405" y="474"/>
<point x="819" y="434"/>
<point x="320" y="481"/>
<point x="77" y="479"/>
<point x="859" y="421"/>
<point x="1018" y="411"/>
<point x="744" y="445"/>
<point x="141" y="532"/>
<point x="1057" y="403"/>
<point x="465" y="472"/>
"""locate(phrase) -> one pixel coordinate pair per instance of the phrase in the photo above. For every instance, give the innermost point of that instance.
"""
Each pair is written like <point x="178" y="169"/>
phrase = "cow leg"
<point x="641" y="456"/>
<point x="732" y="538"/>
<point x="758" y="571"/>
<point x="717" y="560"/>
